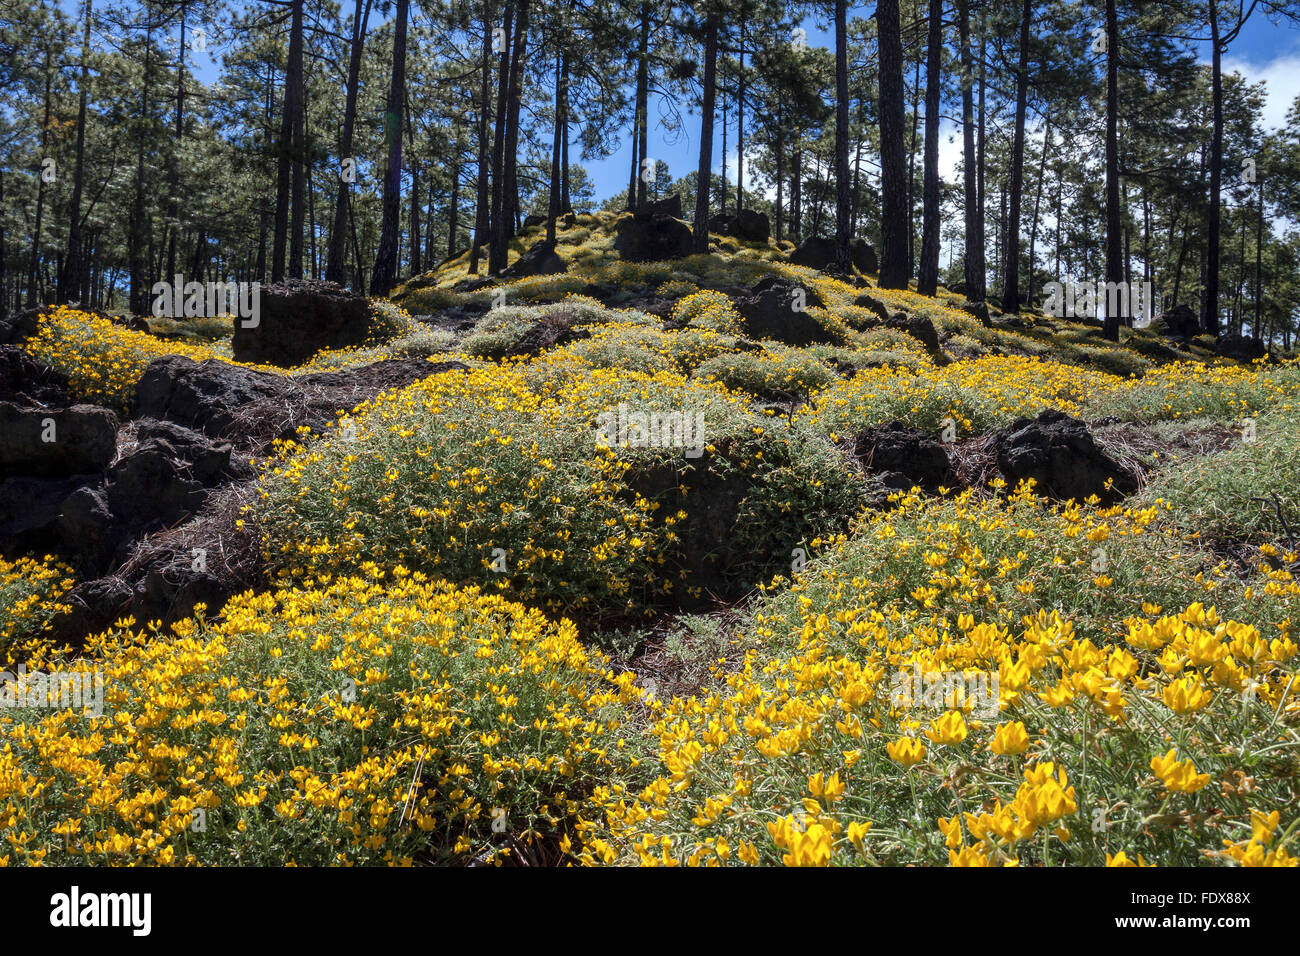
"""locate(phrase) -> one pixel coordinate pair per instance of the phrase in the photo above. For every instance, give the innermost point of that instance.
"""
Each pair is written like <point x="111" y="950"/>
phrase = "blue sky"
<point x="1262" y="52"/>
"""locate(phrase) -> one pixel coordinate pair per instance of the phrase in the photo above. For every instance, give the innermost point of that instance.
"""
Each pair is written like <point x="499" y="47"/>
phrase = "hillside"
<point x="711" y="560"/>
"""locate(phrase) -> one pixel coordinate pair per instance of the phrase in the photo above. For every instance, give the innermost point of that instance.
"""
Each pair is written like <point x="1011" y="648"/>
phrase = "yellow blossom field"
<point x="483" y="635"/>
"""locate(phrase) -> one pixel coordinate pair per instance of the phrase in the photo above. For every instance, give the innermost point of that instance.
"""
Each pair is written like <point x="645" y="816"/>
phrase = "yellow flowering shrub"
<point x="902" y="702"/>
<point x="29" y="592"/>
<point x="486" y="477"/>
<point x="378" y="719"/>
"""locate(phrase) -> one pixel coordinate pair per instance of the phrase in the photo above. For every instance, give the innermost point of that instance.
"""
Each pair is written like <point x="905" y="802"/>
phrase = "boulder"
<point x="26" y="382"/>
<point x="540" y="260"/>
<point x="721" y="224"/>
<point x="652" y="238"/>
<point x="979" y="310"/>
<point x="1240" y="347"/>
<point x="30" y="509"/>
<point x="670" y="205"/>
<point x="534" y="220"/>
<point x="90" y="608"/>
<point x="161" y="481"/>
<point x="867" y="301"/>
<point x="45" y="442"/>
<point x="770" y="313"/>
<point x="1180" y="322"/>
<point x="774" y="281"/>
<point x="252" y="408"/>
<point x="20" y="326"/>
<point x="1059" y="453"/>
<point x="818" y="252"/>
<point x="902" y="457"/>
<point x="917" y="326"/>
<point x="297" y="319"/>
<point x="751" y="226"/>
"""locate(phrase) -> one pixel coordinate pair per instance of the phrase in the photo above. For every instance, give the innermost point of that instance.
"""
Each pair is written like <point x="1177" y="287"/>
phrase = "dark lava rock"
<point x="818" y="252"/>
<point x="770" y="313"/>
<point x="979" y="310"/>
<point x="652" y="238"/>
<point x="1240" y="347"/>
<point x="917" y="326"/>
<point x="540" y="260"/>
<point x="1180" y="322"/>
<point x="867" y="301"/>
<point x="668" y="206"/>
<point x="1059" y="453"/>
<point x="20" y="326"/>
<point x="297" y="319"/>
<point x="251" y="408"/>
<point x="902" y="457"/>
<point x="76" y="440"/>
<point x="30" y="509"/>
<point x="160" y="482"/>
<point x="26" y="382"/>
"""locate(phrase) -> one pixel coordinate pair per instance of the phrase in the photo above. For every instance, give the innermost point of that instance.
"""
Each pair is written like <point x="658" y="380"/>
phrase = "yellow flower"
<point x="1187" y="695"/>
<point x="1180" y="777"/>
<point x="906" y="751"/>
<point x="809" y="848"/>
<point x="948" y="729"/>
<point x="1010" y="738"/>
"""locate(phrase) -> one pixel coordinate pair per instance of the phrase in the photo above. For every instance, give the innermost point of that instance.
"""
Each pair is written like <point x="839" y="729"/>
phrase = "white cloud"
<point x="1282" y="76"/>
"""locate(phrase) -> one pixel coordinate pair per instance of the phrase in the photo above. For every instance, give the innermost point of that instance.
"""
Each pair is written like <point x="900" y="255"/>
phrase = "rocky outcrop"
<point x="55" y="442"/>
<point x="644" y="238"/>
<point x="252" y="408"/>
<point x="26" y="382"/>
<point x="1060" y="454"/>
<point x="776" y="310"/>
<point x="298" y="318"/>
<point x="540" y="260"/>
<point x="818" y="252"/>
<point x="901" y="457"/>
<point x="1180" y="322"/>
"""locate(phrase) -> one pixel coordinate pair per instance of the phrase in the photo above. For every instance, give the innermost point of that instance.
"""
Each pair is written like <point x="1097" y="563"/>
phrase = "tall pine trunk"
<point x="1114" y="239"/>
<point x="483" y="193"/>
<point x="383" y="275"/>
<point x="927" y="282"/>
<point x="973" y="258"/>
<point x="895" y="267"/>
<point x="1210" y="314"/>
<point x="1015" y="189"/>
<point x="334" y="271"/>
<point x="286" y="180"/>
<point x="700" y="235"/>
<point x="843" y="264"/>
<point x="72" y="280"/>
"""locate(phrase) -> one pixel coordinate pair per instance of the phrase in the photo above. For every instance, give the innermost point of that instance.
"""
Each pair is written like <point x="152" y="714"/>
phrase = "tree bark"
<point x="383" y="275"/>
<point x="843" y="264"/>
<point x="701" y="225"/>
<point x="927" y="282"/>
<point x="895" y="267"/>
<point x="1011" y="244"/>
<point x="1210" y="313"/>
<point x="72" y="281"/>
<point x="338" y="234"/>
<point x="482" y="197"/>
<point x="973" y="257"/>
